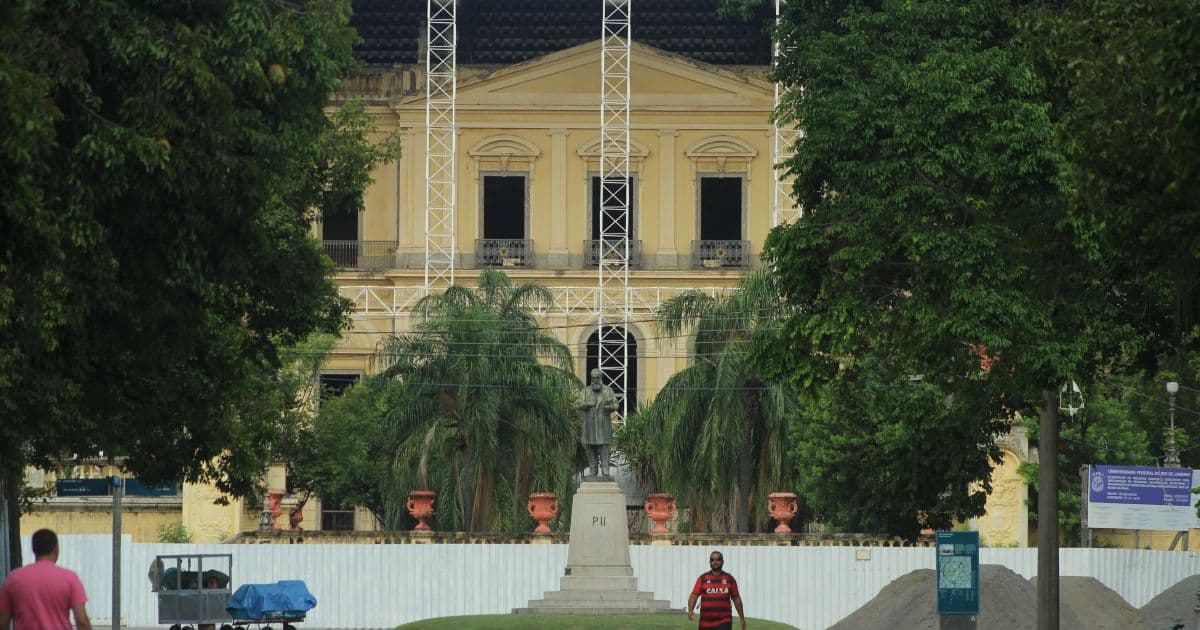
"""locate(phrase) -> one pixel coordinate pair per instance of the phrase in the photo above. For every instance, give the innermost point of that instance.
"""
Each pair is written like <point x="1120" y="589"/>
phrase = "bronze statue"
<point x="597" y="402"/>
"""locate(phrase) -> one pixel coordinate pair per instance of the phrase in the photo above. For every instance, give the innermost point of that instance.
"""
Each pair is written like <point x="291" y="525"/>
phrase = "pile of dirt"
<point x="1174" y="607"/>
<point x="1008" y="601"/>
<point x="1093" y="605"/>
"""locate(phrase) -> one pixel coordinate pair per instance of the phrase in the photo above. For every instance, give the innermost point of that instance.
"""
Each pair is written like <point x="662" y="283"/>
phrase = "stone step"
<point x="571" y="604"/>
<point x="599" y="571"/>
<point x="576" y="583"/>
<point x="603" y="595"/>
<point x="596" y="611"/>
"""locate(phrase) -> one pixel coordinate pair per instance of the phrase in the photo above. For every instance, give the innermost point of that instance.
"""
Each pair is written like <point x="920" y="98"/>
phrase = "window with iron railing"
<point x="722" y="201"/>
<point x="720" y="254"/>
<point x="361" y="255"/>
<point x="503" y="252"/>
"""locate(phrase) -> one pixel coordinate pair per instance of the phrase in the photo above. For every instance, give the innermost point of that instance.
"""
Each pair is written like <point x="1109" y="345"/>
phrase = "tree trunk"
<point x="745" y="469"/>
<point x="467" y="497"/>
<point x="1047" y="528"/>
<point x="523" y="480"/>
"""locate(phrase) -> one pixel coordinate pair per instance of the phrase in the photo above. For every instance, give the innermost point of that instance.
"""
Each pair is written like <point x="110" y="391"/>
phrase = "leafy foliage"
<point x="477" y="402"/>
<point x="716" y="435"/>
<point x="173" y="533"/>
<point x="938" y="235"/>
<point x="163" y="165"/>
<point x="888" y="455"/>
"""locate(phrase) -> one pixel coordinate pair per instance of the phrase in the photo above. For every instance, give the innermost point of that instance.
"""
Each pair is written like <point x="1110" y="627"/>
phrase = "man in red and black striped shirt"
<point x="715" y="590"/>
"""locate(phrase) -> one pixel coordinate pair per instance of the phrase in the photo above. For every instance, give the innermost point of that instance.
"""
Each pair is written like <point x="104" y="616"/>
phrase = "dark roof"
<point x="512" y="31"/>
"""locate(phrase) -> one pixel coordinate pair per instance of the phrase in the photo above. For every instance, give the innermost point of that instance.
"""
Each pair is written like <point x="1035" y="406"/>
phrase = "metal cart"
<point x="193" y="590"/>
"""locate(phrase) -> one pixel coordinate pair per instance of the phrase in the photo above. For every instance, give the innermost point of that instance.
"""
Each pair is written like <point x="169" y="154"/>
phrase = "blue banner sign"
<point x="103" y="488"/>
<point x="1142" y="497"/>
<point x="82" y="487"/>
<point x="957" y="573"/>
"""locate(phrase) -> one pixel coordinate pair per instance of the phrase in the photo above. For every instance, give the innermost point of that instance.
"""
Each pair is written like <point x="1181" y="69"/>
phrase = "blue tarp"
<point x="286" y="599"/>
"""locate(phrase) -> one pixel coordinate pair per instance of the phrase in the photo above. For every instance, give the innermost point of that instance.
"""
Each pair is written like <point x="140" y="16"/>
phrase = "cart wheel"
<point x="176" y="627"/>
<point x="226" y="627"/>
<point x="288" y="626"/>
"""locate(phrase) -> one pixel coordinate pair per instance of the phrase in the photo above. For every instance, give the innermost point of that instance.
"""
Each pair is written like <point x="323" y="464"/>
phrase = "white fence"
<point x="381" y="586"/>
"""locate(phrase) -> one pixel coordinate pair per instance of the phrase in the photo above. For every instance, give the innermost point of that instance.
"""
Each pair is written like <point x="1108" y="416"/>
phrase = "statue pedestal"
<point x="598" y="579"/>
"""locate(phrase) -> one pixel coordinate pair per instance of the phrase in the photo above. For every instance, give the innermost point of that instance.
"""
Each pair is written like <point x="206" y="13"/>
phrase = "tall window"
<point x="333" y="385"/>
<point x="504" y="206"/>
<point x="721" y="208"/>
<point x="631" y="366"/>
<point x="336" y="517"/>
<point x="340" y="236"/>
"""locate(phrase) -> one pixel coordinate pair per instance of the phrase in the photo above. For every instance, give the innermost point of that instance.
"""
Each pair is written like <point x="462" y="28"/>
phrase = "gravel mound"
<point x="1173" y="608"/>
<point x="1009" y="602"/>
<point x="1095" y="605"/>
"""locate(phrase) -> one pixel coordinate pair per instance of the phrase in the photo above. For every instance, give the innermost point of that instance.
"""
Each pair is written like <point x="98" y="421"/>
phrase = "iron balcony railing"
<point x="362" y="255"/>
<point x="503" y="252"/>
<point x="593" y="249"/>
<point x="720" y="254"/>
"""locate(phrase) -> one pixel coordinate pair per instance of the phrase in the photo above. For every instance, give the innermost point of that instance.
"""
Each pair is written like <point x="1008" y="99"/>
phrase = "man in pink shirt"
<point x="41" y="596"/>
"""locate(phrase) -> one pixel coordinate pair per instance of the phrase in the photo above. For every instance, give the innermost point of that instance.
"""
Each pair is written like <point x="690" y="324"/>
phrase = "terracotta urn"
<point x="275" y="506"/>
<point x="782" y="506"/>
<point x="542" y="506"/>
<point x="660" y="508"/>
<point x="420" y="506"/>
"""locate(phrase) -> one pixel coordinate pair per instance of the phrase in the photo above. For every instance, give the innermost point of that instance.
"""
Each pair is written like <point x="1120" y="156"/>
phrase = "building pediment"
<point x="571" y="79"/>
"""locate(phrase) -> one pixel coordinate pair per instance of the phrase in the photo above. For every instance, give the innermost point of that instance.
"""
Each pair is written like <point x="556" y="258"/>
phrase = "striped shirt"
<point x="716" y="591"/>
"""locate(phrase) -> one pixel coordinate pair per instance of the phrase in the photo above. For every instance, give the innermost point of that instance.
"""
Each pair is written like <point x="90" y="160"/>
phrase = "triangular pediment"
<point x="571" y="78"/>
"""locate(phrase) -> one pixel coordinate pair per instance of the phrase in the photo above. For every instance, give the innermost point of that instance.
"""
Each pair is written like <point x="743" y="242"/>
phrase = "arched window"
<point x="631" y="366"/>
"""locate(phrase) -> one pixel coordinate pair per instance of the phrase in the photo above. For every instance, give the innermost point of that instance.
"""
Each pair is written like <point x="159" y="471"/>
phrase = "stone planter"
<point x="660" y="508"/>
<point x="542" y="506"/>
<point x="420" y="506"/>
<point x="782" y="506"/>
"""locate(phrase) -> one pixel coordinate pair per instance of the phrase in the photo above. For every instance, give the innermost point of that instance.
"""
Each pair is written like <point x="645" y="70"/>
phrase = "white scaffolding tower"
<point x="440" y="143"/>
<point x="784" y="208"/>
<point x="613" y="294"/>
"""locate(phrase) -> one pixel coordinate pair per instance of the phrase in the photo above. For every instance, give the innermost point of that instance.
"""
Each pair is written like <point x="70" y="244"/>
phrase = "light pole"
<point x="1172" y="458"/>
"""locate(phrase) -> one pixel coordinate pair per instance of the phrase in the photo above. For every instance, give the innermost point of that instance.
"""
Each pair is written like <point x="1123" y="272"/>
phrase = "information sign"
<point x="957" y="573"/>
<point x="1142" y="497"/>
<point x="82" y="487"/>
<point x="103" y="488"/>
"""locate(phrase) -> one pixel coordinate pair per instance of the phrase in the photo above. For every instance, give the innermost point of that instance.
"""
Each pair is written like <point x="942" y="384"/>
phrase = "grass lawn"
<point x="577" y="622"/>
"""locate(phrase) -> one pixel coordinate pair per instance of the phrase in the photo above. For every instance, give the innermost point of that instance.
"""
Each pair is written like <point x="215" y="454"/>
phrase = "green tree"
<point x="344" y="450"/>
<point x="163" y="164"/>
<point x="938" y="231"/>
<point x="882" y="451"/>
<point x="480" y="403"/>
<point x="1123" y="79"/>
<point x="719" y="427"/>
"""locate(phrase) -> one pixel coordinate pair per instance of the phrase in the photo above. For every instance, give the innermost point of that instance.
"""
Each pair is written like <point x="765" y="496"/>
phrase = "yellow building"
<point x="526" y="191"/>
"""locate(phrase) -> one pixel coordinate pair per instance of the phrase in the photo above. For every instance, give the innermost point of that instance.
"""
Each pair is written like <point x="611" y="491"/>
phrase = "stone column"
<point x="667" y="255"/>
<point x="558" y="257"/>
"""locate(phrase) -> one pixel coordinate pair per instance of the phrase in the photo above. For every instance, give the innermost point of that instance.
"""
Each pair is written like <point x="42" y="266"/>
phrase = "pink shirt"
<point x="40" y="596"/>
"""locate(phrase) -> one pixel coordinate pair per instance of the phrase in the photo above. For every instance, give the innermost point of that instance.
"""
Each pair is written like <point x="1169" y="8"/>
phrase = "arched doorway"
<point x="631" y="366"/>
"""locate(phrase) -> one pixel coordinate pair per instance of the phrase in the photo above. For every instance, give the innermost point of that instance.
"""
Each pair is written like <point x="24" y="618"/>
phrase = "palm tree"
<point x="480" y="400"/>
<point x="722" y="426"/>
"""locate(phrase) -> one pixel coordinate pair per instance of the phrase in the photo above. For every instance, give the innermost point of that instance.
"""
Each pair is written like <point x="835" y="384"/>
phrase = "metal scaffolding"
<point x="784" y="208"/>
<point x="440" y="143"/>
<point x="613" y="293"/>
